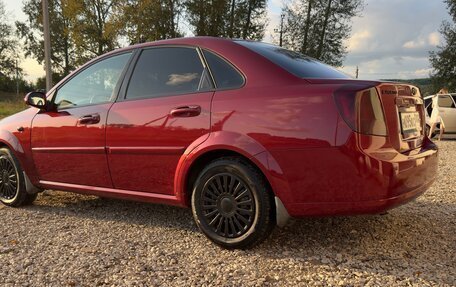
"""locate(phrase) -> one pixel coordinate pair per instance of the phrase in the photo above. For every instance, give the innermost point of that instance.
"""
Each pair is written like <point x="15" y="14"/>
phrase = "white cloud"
<point x="359" y="40"/>
<point x="415" y="44"/>
<point x="434" y="38"/>
<point x="423" y="73"/>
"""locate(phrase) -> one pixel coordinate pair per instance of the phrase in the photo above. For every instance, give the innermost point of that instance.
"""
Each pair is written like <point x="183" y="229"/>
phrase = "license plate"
<point x="410" y="122"/>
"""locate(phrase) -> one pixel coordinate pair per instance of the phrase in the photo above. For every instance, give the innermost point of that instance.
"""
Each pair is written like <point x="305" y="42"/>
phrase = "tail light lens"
<point x="361" y="110"/>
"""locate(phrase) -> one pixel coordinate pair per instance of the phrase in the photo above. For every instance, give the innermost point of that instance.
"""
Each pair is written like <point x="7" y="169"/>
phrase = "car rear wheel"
<point x="12" y="183"/>
<point x="232" y="203"/>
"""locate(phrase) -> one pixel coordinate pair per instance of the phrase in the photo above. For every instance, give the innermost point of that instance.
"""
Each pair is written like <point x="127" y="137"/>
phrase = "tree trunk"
<point x="99" y="27"/>
<point x="307" y="27"/>
<point x="230" y="31"/>
<point x="248" y="20"/>
<point x="323" y="32"/>
<point x="172" y="18"/>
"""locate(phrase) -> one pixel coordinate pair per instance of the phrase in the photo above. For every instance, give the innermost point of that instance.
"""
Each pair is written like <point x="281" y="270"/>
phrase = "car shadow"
<point x="402" y="242"/>
<point x="107" y="209"/>
<point x="408" y="241"/>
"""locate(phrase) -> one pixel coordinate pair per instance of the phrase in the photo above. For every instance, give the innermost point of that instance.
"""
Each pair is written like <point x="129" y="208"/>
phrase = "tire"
<point x="232" y="204"/>
<point x="12" y="183"/>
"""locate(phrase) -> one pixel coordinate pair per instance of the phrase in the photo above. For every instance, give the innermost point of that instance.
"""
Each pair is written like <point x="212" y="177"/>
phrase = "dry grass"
<point x="10" y="104"/>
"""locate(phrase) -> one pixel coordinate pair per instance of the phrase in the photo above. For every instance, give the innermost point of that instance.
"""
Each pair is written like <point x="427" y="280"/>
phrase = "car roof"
<point x="430" y="96"/>
<point x="194" y="41"/>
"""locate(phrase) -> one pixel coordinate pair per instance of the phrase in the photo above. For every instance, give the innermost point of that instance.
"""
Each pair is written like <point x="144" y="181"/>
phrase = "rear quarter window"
<point x="295" y="63"/>
<point x="225" y="75"/>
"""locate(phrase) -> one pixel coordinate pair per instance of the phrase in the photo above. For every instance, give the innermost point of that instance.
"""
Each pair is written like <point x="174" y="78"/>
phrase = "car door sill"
<point x="114" y="193"/>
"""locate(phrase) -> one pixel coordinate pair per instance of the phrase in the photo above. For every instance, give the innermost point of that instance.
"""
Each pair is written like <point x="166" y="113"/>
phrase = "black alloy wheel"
<point x="8" y="179"/>
<point x="12" y="182"/>
<point x="232" y="203"/>
<point x="228" y="205"/>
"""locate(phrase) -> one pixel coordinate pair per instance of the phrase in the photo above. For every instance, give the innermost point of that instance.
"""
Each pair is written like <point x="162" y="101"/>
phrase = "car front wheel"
<point x="232" y="203"/>
<point x="12" y="183"/>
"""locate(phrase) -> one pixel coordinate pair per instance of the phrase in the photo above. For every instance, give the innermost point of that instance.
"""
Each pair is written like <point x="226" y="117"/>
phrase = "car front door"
<point x="447" y="108"/>
<point x="165" y="108"/>
<point x="68" y="141"/>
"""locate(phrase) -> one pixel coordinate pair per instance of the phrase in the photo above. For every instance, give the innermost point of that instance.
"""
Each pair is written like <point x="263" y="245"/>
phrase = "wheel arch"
<point x="222" y="144"/>
<point x="7" y="139"/>
<point x="209" y="156"/>
<point x="10" y="141"/>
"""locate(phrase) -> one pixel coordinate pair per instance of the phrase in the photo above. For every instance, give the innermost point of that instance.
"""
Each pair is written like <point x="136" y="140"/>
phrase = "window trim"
<point x="116" y="90"/>
<point x="122" y="96"/>
<point x="244" y="78"/>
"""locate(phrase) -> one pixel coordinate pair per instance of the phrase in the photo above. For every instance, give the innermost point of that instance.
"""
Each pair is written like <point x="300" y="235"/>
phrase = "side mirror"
<point x="36" y="99"/>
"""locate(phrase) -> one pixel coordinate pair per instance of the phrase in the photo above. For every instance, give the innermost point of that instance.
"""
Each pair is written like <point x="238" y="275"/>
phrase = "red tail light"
<point x="361" y="110"/>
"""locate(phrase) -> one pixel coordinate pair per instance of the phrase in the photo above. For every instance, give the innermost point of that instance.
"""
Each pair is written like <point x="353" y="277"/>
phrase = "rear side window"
<point x="446" y="102"/>
<point x="225" y="75"/>
<point x="295" y="63"/>
<point x="168" y="71"/>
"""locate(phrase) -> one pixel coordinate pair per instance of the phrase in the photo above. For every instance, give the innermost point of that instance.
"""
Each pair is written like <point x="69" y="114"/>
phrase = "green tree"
<point x="207" y="17"/>
<point x="318" y="28"/>
<point x="8" y="45"/>
<point x="227" y="18"/>
<point x="63" y="57"/>
<point x="149" y="20"/>
<point x="94" y="29"/>
<point x="444" y="59"/>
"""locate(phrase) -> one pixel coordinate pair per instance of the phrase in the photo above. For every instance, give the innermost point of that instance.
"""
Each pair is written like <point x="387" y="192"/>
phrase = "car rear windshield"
<point x="295" y="63"/>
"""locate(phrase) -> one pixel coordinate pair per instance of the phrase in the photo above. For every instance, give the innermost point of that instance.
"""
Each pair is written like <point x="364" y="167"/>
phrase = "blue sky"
<point x="391" y="39"/>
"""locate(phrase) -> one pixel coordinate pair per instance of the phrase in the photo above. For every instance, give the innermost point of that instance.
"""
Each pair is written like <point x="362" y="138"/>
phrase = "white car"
<point x="447" y="109"/>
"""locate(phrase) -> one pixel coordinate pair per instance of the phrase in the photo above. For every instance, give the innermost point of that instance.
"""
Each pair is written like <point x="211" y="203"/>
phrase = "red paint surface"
<point x="145" y="141"/>
<point x="289" y="128"/>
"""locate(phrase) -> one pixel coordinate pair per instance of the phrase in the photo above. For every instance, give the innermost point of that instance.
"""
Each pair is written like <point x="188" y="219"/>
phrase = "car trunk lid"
<point x="404" y="115"/>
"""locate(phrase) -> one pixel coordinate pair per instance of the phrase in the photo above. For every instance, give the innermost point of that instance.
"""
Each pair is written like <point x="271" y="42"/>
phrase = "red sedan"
<point x="245" y="133"/>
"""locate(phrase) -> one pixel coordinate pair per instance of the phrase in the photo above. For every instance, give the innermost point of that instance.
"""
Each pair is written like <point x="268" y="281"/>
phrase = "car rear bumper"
<point x="357" y="207"/>
<point x="352" y="179"/>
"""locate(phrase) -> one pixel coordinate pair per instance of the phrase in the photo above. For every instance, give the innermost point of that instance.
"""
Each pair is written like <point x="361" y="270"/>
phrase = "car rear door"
<point x="447" y="108"/>
<point x="164" y="108"/>
<point x="68" y="143"/>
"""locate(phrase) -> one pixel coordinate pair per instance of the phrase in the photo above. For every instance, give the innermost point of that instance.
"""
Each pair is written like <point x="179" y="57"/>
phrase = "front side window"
<point x="94" y="85"/>
<point x="168" y="71"/>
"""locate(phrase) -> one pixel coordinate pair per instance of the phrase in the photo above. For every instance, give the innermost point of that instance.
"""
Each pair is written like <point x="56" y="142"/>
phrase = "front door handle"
<point x="89" y="119"/>
<point x="186" y="111"/>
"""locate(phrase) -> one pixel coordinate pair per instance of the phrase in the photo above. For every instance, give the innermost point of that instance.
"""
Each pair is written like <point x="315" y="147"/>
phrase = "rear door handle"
<point x="89" y="119"/>
<point x="186" y="111"/>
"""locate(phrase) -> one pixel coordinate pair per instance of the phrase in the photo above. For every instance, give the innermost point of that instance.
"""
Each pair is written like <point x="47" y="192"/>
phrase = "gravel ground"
<point x="73" y="240"/>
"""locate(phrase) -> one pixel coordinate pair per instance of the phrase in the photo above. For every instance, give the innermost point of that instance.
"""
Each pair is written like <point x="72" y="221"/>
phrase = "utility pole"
<point x="47" y="45"/>
<point x="282" y="17"/>
<point x="357" y="72"/>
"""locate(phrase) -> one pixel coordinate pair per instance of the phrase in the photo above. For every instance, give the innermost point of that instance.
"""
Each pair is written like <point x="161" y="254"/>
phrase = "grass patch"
<point x="11" y="104"/>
